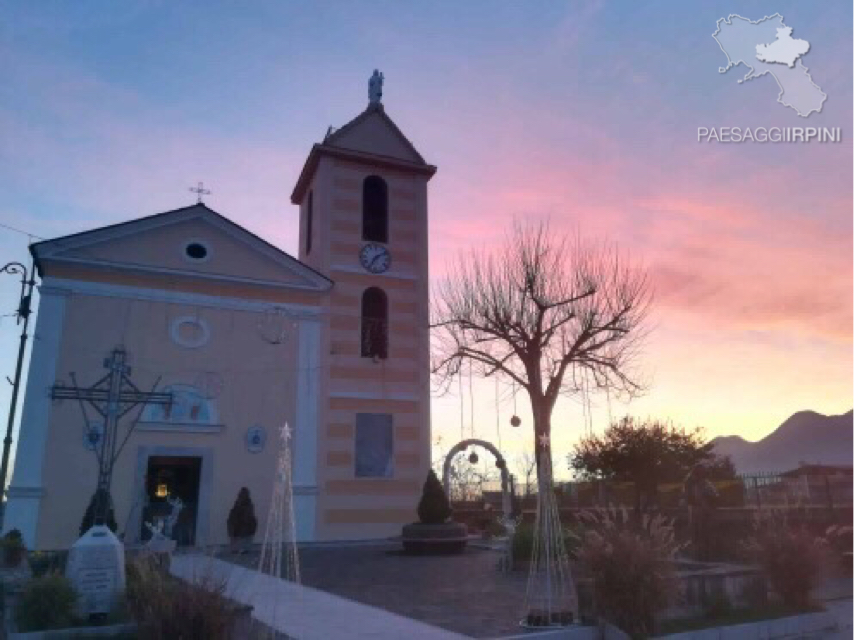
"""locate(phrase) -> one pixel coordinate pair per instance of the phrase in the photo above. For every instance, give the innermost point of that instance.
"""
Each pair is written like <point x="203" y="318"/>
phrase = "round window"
<point x="190" y="332"/>
<point x="196" y="251"/>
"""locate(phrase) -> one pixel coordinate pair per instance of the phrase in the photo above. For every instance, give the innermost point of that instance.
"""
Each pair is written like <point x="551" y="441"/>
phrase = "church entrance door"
<point x="172" y="477"/>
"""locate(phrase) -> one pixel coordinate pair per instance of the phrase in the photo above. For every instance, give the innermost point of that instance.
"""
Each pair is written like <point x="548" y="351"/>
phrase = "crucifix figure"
<point x="200" y="191"/>
<point x="112" y="396"/>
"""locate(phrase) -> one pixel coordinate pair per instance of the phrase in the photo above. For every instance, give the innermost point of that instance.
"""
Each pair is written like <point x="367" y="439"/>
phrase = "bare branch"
<point x="551" y="312"/>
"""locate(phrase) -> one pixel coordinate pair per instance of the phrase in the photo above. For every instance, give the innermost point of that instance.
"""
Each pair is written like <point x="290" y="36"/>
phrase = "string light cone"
<point x="279" y="556"/>
<point x="550" y="596"/>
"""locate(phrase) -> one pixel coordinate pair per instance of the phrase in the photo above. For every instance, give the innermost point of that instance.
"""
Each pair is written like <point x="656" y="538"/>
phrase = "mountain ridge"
<point x="804" y="437"/>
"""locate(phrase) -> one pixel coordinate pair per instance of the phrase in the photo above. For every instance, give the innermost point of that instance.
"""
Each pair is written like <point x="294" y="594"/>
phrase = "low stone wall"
<point x="705" y="584"/>
<point x="807" y="625"/>
<point x="109" y="631"/>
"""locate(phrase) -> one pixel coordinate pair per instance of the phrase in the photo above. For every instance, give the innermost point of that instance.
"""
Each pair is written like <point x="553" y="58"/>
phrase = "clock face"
<point x="375" y="258"/>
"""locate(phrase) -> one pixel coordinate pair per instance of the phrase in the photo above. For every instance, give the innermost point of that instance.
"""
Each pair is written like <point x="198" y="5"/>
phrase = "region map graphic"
<point x="766" y="47"/>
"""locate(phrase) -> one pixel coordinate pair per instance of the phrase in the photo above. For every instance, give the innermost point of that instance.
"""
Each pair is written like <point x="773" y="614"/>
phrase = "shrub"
<point x="165" y="607"/>
<point x="631" y="567"/>
<point x="494" y="529"/>
<point x="433" y="508"/>
<point x="839" y="540"/>
<point x="14" y="535"/>
<point x="522" y="545"/>
<point x="44" y="562"/>
<point x="13" y="548"/>
<point x="46" y="603"/>
<point x="242" y="522"/>
<point x="89" y="515"/>
<point x="790" y="556"/>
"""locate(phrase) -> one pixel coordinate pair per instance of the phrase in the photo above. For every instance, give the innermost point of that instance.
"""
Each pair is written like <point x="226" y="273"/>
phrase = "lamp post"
<point x="28" y="281"/>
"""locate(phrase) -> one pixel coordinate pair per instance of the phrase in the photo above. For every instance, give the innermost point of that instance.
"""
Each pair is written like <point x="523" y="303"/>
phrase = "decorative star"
<point x="285" y="432"/>
<point x="544" y="440"/>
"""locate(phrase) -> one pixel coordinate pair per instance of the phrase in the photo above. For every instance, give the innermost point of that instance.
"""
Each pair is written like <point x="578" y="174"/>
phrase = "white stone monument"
<point x="96" y="569"/>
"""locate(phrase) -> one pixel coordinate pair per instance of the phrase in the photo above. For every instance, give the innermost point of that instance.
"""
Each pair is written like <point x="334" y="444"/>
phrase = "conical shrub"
<point x="433" y="508"/>
<point x="89" y="515"/>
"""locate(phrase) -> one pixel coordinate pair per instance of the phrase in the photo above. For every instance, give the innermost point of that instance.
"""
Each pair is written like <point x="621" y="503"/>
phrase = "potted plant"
<point x="242" y="522"/>
<point x="435" y="533"/>
<point x="13" y="548"/>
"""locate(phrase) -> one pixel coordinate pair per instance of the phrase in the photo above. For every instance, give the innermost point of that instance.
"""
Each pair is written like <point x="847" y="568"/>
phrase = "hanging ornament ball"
<point x="473" y="458"/>
<point x="500" y="463"/>
<point x="515" y="421"/>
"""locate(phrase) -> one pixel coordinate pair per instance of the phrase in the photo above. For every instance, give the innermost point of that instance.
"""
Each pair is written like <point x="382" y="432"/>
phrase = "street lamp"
<point x="28" y="281"/>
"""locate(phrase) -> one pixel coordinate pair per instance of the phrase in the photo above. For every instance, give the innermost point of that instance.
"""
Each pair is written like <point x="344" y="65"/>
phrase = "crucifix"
<point x="200" y="191"/>
<point x="112" y="396"/>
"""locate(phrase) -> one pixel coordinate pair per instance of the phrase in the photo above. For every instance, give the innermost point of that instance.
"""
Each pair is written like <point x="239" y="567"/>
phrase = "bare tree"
<point x="469" y="481"/>
<point x="526" y="465"/>
<point x="553" y="313"/>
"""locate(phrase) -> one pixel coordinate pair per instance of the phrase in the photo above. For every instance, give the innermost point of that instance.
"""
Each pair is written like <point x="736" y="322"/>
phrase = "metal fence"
<point x="774" y="490"/>
<point x="753" y="491"/>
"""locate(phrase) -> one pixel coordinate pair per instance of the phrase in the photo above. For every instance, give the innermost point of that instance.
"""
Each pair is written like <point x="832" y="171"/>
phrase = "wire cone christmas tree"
<point x="550" y="597"/>
<point x="279" y="556"/>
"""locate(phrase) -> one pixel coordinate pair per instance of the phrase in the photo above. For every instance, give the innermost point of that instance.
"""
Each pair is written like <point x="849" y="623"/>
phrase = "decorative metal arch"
<point x="500" y="462"/>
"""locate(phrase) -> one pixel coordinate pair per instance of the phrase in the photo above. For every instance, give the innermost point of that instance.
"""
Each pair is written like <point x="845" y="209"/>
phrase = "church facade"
<point x="244" y="338"/>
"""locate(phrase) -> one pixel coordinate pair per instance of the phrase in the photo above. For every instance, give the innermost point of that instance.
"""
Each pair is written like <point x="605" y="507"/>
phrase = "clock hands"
<point x="375" y="258"/>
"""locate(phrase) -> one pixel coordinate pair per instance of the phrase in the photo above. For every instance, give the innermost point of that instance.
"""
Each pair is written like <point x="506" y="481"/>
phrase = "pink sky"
<point x="112" y="116"/>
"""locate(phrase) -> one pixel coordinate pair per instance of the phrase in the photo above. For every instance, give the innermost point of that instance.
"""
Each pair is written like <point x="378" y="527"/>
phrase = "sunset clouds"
<point x="582" y="113"/>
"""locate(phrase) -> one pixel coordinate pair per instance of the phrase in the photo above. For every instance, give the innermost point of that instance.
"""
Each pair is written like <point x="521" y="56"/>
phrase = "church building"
<point x="242" y="338"/>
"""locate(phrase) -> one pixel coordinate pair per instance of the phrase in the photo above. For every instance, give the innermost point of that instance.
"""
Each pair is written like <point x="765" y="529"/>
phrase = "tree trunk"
<point x="542" y="427"/>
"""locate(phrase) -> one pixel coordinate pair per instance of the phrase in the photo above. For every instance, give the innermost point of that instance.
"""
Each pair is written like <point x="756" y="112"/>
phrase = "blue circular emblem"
<point x="256" y="438"/>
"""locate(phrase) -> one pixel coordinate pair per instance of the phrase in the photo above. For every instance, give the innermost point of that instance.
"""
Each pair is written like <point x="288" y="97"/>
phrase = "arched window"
<point x="309" y="221"/>
<point x="188" y="406"/>
<point x="374" y="209"/>
<point x="374" y="323"/>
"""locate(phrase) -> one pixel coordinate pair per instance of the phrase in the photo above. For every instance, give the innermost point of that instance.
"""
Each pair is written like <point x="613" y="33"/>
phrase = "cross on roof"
<point x="200" y="191"/>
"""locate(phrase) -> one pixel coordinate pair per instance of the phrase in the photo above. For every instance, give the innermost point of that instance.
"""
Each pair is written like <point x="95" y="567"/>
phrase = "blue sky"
<point x="585" y="112"/>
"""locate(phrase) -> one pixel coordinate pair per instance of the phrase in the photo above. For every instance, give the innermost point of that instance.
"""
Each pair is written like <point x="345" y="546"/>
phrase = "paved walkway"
<point x="464" y="593"/>
<point x="302" y="612"/>
<point x="835" y="595"/>
<point x="843" y="611"/>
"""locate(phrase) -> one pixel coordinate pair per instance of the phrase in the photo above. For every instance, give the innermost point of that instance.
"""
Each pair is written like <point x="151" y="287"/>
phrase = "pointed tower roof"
<point x="370" y="137"/>
<point x="386" y="136"/>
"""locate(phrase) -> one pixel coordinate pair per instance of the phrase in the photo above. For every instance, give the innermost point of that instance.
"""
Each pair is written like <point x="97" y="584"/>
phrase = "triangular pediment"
<point x="375" y="133"/>
<point x="159" y="244"/>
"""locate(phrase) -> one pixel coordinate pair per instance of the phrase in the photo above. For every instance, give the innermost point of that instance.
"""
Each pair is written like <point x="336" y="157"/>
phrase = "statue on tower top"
<point x="375" y="88"/>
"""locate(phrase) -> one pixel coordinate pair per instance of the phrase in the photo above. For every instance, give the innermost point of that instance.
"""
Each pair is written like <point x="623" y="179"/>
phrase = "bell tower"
<point x="362" y="195"/>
